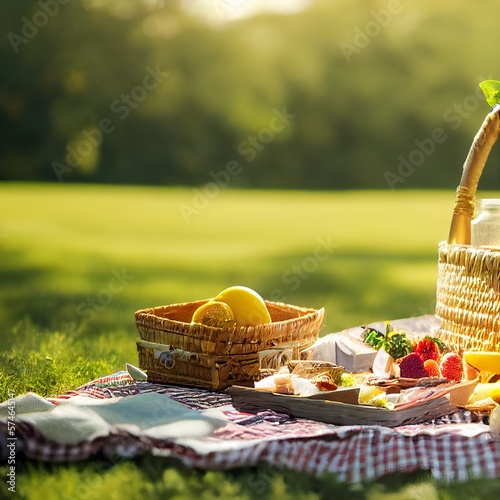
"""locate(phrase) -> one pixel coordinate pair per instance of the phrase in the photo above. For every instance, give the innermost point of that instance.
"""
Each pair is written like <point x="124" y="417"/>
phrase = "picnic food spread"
<point x="418" y="370"/>
<point x="235" y="340"/>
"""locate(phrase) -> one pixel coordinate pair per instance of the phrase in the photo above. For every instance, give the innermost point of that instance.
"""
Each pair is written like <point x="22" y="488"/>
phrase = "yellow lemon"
<point x="249" y="308"/>
<point x="484" y="391"/>
<point x="213" y="313"/>
<point x="483" y="361"/>
<point x="367" y="393"/>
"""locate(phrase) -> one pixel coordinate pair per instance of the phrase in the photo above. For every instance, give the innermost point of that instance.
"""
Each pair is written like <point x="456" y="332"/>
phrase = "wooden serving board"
<point x="324" y="408"/>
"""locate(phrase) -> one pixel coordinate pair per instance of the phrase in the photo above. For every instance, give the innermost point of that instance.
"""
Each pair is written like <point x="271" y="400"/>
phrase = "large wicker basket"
<point x="468" y="288"/>
<point x="174" y="350"/>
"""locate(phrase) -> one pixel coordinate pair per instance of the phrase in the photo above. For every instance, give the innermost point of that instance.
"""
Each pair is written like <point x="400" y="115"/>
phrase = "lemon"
<point x="483" y="361"/>
<point x="249" y="308"/>
<point x="485" y="391"/>
<point x="367" y="393"/>
<point x="213" y="313"/>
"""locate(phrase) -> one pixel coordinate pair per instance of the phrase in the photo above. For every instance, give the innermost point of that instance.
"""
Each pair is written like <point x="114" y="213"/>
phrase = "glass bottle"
<point x="485" y="228"/>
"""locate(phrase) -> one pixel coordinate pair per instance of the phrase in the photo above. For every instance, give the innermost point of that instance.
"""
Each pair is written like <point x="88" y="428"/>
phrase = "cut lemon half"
<point x="483" y="361"/>
<point x="213" y="313"/>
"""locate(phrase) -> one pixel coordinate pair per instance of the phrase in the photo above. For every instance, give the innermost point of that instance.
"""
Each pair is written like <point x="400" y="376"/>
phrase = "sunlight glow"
<point x="224" y="11"/>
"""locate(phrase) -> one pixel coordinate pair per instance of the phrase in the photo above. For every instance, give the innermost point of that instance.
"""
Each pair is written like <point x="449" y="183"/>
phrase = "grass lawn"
<point x="76" y="262"/>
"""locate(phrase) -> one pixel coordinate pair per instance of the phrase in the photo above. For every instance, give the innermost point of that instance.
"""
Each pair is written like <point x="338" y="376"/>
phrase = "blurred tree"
<point x="344" y="94"/>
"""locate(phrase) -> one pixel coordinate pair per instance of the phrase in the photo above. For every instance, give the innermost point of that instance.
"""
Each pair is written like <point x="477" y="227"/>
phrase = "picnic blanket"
<point x="136" y="417"/>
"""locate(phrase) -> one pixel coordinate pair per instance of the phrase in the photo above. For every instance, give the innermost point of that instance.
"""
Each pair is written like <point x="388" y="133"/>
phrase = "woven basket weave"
<point x="468" y="287"/>
<point x="174" y="350"/>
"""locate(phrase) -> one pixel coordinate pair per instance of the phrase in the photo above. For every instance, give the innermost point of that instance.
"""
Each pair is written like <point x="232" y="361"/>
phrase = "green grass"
<point x="77" y="261"/>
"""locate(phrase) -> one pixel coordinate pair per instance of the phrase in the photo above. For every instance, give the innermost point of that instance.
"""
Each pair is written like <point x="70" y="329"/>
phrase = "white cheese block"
<point x="324" y="349"/>
<point x="354" y="355"/>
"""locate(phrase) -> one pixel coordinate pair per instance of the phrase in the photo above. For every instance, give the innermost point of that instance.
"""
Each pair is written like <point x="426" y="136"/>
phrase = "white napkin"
<point x="81" y="418"/>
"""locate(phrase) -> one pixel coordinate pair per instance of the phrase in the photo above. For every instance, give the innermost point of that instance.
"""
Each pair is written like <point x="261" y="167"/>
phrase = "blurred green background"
<point x="325" y="94"/>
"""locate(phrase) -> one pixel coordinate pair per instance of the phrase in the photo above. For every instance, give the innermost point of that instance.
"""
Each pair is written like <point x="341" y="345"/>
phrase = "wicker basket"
<point x="174" y="350"/>
<point x="468" y="287"/>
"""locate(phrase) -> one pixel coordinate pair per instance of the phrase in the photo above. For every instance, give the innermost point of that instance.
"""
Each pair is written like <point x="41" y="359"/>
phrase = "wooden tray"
<point x="338" y="407"/>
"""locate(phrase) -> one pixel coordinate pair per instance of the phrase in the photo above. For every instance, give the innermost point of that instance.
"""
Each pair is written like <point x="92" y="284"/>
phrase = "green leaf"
<point x="491" y="90"/>
<point x="373" y="337"/>
<point x="388" y="327"/>
<point x="397" y="344"/>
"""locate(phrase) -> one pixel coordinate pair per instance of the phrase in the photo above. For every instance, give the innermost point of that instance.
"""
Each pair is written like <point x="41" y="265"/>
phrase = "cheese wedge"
<point x="483" y="361"/>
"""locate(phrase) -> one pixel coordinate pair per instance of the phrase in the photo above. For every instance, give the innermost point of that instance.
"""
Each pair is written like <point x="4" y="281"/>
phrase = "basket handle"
<point x="472" y="170"/>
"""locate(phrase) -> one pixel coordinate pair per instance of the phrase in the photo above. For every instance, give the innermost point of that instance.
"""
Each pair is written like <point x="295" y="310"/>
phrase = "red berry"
<point x="452" y="366"/>
<point x="411" y="366"/>
<point x="426" y="349"/>
<point x="432" y="368"/>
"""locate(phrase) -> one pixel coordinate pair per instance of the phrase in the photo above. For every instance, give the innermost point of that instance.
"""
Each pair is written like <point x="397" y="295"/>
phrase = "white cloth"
<point x="82" y="418"/>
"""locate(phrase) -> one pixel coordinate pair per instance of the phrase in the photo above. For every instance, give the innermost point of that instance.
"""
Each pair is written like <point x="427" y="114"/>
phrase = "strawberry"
<point x="452" y="366"/>
<point x="412" y="366"/>
<point x="432" y="368"/>
<point x="426" y="348"/>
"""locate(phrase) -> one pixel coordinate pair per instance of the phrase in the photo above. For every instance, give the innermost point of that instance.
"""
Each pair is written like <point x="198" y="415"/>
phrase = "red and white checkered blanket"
<point x="456" y="447"/>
